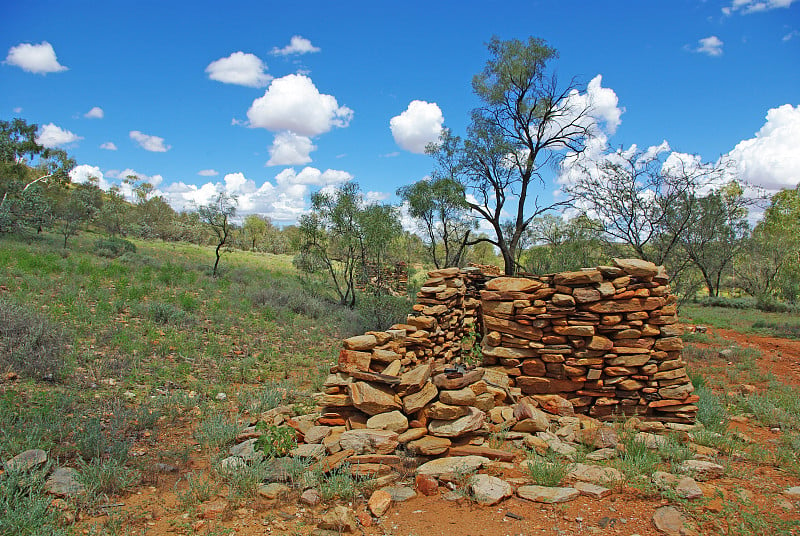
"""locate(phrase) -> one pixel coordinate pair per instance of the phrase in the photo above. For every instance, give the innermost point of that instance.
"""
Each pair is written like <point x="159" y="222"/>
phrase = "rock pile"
<point x="604" y="341"/>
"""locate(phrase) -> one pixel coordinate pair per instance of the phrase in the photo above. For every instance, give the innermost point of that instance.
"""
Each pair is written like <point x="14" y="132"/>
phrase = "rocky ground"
<point x="572" y="475"/>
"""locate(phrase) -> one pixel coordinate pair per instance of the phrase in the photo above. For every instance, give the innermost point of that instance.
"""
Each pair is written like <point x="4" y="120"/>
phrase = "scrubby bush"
<point x="113" y="247"/>
<point x="30" y="344"/>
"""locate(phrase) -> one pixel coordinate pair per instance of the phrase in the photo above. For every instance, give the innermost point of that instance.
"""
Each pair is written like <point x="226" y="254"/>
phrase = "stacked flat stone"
<point x="606" y="339"/>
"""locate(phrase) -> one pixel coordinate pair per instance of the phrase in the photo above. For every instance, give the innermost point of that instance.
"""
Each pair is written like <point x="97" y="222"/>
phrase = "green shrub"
<point x="167" y="314"/>
<point x="275" y="441"/>
<point x="113" y="247"/>
<point x="30" y="344"/>
<point x="378" y="312"/>
<point x="731" y="303"/>
<point x="710" y="409"/>
<point x="25" y="508"/>
<point x="547" y="470"/>
<point x="106" y="477"/>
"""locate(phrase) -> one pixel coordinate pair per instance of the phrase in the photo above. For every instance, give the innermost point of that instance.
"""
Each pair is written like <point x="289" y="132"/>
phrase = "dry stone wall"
<point x="600" y="341"/>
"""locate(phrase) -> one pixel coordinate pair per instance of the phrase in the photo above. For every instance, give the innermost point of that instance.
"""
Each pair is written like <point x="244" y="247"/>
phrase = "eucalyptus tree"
<point x="526" y="123"/>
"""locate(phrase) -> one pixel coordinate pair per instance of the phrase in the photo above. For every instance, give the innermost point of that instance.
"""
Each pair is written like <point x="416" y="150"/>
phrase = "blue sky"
<point x="312" y="88"/>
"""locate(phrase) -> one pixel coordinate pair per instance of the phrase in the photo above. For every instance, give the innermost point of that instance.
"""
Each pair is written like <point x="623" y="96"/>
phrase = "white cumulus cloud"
<point x="310" y="176"/>
<point x="82" y="173"/>
<point x="297" y="45"/>
<point x="108" y="146"/>
<point x="711" y="46"/>
<point x="38" y="59"/>
<point x="95" y="113"/>
<point x="289" y="149"/>
<point x="420" y="124"/>
<point x="771" y="159"/>
<point x="239" y="68"/>
<point x="293" y="103"/>
<point x="51" y="136"/>
<point x="208" y="172"/>
<point x="746" y="7"/>
<point x="149" y="143"/>
<point x="283" y="200"/>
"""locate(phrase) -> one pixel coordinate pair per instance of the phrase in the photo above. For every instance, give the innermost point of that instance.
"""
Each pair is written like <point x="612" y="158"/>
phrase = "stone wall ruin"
<point x="601" y="342"/>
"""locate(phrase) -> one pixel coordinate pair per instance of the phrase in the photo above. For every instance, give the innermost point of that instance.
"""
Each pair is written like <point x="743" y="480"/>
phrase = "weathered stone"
<point x="489" y="490"/>
<point x="413" y="380"/>
<point x="626" y="306"/>
<point x="212" y="509"/>
<point x="592" y="490"/>
<point x="581" y="277"/>
<point x="595" y="474"/>
<point x="426" y="484"/>
<point x="379" y="502"/>
<point x="555" y="404"/>
<point x="339" y="518"/>
<point x="360" y="343"/>
<point x="26" y="460"/>
<point x="701" y="470"/>
<point x="586" y="294"/>
<point x="449" y="467"/>
<point x="629" y="360"/>
<point x="513" y="284"/>
<point x="443" y="382"/>
<point x="329" y="463"/>
<point x="400" y="493"/>
<point x="306" y="450"/>
<point x="274" y="491"/>
<point x="677" y="392"/>
<point x="539" y="385"/>
<point x="392" y="420"/>
<point x="684" y="486"/>
<point x="352" y="361"/>
<point x="372" y="399"/>
<point x="468" y="423"/>
<point x="598" y="342"/>
<point x="637" y="267"/>
<point x="416" y="401"/>
<point x="429" y="446"/>
<point x="366" y="441"/>
<point x="316" y="434"/>
<point x="576" y="331"/>
<point x="549" y="495"/>
<point x="670" y="521"/>
<point x="446" y="412"/>
<point x="602" y="437"/>
<point x="311" y="497"/>
<point x="669" y="344"/>
<point x="412" y="434"/>
<point x="502" y="352"/>
<point x="533" y="420"/>
<point x="461" y="397"/>
<point x="65" y="482"/>
<point x="563" y="300"/>
<point x="481" y="450"/>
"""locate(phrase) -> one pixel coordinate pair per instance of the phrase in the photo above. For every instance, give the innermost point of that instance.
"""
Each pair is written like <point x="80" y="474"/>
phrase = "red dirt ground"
<point x="154" y="509"/>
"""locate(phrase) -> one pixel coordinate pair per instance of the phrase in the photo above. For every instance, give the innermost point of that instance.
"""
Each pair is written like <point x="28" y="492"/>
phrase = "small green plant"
<point x="106" y="477"/>
<point x="30" y="344"/>
<point x="198" y="488"/>
<point x="470" y="349"/>
<point x="24" y="505"/>
<point x="216" y="430"/>
<point x="711" y="410"/>
<point x="338" y="483"/>
<point x="637" y="459"/>
<point x="275" y="441"/>
<point x="547" y="469"/>
<point x="167" y="314"/>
